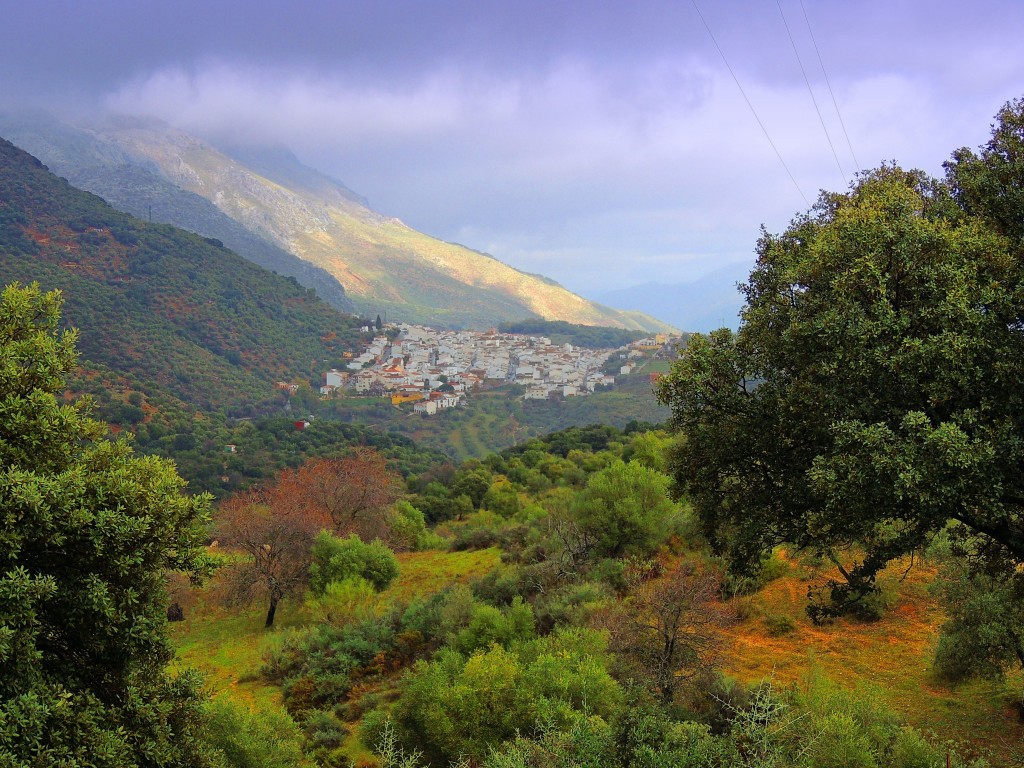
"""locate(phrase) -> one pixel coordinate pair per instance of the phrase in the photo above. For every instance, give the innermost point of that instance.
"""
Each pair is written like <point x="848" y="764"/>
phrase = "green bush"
<point x="324" y="738"/>
<point x="778" y="625"/>
<point x="489" y="625"/>
<point x="408" y="526"/>
<point x="465" y="706"/>
<point x="570" y="604"/>
<point x="351" y="599"/>
<point x="336" y="559"/>
<point x="315" y="666"/>
<point x="626" y="509"/>
<point x="248" y="739"/>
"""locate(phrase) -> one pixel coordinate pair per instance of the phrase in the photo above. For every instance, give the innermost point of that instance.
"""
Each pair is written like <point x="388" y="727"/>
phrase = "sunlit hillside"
<point x="385" y="266"/>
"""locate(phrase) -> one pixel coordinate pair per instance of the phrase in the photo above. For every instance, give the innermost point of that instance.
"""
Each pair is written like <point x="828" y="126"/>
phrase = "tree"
<point x="354" y="491"/>
<point x="668" y="629"/>
<point x="274" y="530"/>
<point x="988" y="185"/>
<point x="625" y="509"/>
<point x="872" y="393"/>
<point x="984" y="634"/>
<point x="88" y="531"/>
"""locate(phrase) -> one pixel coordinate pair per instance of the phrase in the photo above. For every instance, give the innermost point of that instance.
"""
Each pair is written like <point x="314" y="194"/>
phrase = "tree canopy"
<point x="872" y="394"/>
<point x="88" y="530"/>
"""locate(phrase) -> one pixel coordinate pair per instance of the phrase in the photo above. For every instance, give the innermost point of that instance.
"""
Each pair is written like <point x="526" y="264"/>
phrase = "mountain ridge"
<point x="138" y="188"/>
<point x="385" y="266"/>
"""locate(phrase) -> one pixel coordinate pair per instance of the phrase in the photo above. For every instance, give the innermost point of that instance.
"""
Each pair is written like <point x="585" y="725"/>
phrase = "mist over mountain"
<point x="262" y="202"/>
<point x="712" y="301"/>
<point x="136" y="186"/>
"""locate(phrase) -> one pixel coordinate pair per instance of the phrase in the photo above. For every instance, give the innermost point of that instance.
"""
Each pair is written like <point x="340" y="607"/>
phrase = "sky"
<point x="604" y="144"/>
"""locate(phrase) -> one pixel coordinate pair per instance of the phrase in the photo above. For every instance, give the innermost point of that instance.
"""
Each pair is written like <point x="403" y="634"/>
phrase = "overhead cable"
<point x="810" y="90"/>
<point x="829" y="84"/>
<point x="751" y="106"/>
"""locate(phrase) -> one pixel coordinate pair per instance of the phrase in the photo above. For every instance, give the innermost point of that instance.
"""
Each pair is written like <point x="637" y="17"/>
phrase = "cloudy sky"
<point x="605" y="144"/>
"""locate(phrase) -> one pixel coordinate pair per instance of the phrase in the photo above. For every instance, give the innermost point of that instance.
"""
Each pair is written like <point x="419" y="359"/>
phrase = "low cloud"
<point x="597" y="175"/>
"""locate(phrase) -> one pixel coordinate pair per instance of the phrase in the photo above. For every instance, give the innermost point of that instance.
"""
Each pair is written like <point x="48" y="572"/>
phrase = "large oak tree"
<point x="872" y="396"/>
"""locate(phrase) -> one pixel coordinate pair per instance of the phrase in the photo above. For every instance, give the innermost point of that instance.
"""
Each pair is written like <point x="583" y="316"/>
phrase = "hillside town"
<point x="434" y="369"/>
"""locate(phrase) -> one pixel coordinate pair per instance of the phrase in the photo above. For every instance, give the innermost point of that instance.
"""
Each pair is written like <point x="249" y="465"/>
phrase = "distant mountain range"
<point x="290" y="218"/>
<point x="710" y="302"/>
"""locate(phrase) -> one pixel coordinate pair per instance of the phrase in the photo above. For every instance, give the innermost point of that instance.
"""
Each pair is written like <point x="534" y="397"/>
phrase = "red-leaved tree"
<point x="273" y="531"/>
<point x="353" y="491"/>
<point x="272" y="528"/>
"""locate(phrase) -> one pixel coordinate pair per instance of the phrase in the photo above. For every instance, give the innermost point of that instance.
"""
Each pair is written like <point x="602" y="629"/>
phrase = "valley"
<point x="574" y="536"/>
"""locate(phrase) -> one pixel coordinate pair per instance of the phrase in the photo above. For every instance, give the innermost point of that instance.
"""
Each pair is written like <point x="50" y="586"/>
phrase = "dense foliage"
<point x="88" y="530"/>
<point x="872" y="395"/>
<point x="336" y="559"/>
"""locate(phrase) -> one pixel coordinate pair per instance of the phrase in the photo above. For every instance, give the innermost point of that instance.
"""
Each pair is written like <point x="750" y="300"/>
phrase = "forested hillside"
<point x="177" y="313"/>
<point x="136" y="187"/>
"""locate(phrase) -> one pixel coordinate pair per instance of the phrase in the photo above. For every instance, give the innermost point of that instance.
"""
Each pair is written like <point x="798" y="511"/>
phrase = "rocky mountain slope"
<point x="385" y="266"/>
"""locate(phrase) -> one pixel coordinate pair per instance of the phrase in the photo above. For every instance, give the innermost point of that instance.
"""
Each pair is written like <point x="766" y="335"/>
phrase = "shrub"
<point x="408" y="526"/>
<point x="316" y="666"/>
<point x="570" y="604"/>
<point x="778" y="625"/>
<point x="464" y="706"/>
<point x="350" y="600"/>
<point x="248" y="739"/>
<point x="489" y="625"/>
<point x="335" y="559"/>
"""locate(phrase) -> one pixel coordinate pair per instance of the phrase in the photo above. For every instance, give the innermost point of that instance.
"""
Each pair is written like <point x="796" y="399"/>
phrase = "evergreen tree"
<point x="87" y="533"/>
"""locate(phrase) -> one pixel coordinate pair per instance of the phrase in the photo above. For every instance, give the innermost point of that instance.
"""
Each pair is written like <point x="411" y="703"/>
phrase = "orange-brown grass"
<point x="893" y="655"/>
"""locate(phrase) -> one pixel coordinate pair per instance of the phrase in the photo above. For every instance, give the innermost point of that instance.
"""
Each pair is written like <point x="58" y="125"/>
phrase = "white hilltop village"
<point x="434" y="369"/>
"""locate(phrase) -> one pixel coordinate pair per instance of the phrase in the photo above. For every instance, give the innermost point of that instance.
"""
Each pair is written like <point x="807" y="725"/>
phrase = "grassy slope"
<point x="892" y="655"/>
<point x="228" y="645"/>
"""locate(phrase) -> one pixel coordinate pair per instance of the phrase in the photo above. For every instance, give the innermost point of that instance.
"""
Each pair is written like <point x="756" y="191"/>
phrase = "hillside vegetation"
<point x="136" y="187"/>
<point x="178" y="314"/>
<point x="521" y="602"/>
<point x="385" y="266"/>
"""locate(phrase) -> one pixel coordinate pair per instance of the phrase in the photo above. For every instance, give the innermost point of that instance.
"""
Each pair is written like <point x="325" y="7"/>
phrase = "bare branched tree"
<point x="273" y="532"/>
<point x="669" y="628"/>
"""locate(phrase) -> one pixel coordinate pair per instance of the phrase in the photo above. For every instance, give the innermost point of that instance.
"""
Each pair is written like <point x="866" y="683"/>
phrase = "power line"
<point x="751" y="106"/>
<point x="811" y="92"/>
<point x="829" y="84"/>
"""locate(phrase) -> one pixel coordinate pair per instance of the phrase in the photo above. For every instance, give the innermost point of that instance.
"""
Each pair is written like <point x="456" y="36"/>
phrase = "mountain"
<point x="137" y="186"/>
<point x="710" y="302"/>
<point x="386" y="267"/>
<point x="160" y="306"/>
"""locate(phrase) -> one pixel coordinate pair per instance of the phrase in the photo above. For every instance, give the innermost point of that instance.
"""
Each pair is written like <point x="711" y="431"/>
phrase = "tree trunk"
<point x="271" y="612"/>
